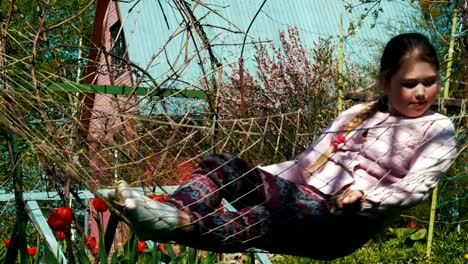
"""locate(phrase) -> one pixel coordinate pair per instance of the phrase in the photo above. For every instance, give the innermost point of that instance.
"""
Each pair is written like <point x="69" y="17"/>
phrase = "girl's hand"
<point x="348" y="201"/>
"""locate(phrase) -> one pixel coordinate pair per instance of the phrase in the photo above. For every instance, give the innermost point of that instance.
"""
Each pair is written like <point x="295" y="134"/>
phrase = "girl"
<point x="371" y="162"/>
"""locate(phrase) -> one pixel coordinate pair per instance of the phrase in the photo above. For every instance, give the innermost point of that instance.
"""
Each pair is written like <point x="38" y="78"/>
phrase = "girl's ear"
<point x="386" y="88"/>
<point x="383" y="84"/>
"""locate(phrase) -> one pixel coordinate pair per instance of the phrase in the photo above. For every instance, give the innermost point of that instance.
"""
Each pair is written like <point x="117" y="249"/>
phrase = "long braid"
<point x="367" y="112"/>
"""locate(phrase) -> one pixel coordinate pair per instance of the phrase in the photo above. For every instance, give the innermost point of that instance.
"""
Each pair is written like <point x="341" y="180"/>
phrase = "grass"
<point x="446" y="248"/>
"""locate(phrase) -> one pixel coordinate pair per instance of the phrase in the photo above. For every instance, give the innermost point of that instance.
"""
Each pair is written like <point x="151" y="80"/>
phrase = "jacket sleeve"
<point x="431" y="160"/>
<point x="293" y="170"/>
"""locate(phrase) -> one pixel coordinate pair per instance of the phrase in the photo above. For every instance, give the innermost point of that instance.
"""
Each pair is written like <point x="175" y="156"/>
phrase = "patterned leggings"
<point x="272" y="213"/>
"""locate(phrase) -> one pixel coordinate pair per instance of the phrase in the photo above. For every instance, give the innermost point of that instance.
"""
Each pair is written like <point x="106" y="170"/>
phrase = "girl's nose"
<point x="420" y="92"/>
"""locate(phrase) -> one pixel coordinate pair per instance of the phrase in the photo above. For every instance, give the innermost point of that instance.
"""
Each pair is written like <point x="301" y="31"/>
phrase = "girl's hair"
<point x="402" y="47"/>
<point x="397" y="50"/>
<point x="367" y="112"/>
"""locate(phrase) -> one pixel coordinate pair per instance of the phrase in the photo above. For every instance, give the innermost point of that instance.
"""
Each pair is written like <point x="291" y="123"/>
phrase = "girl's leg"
<point x="219" y="176"/>
<point x="287" y="215"/>
<point x="265" y="204"/>
<point x="273" y="214"/>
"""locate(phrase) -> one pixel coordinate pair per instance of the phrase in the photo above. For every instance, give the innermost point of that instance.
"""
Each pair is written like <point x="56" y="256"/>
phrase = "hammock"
<point x="160" y="150"/>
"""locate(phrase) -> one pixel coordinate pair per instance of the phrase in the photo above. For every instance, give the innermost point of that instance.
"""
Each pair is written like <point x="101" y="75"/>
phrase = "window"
<point x="118" y="49"/>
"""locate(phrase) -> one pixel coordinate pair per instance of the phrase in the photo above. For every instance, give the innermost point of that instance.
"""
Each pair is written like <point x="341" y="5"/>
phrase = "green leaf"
<point x="102" y="248"/>
<point x="210" y="258"/>
<point x="114" y="259"/>
<point x="170" y="251"/>
<point x="38" y="246"/>
<point x="82" y="256"/>
<point x="134" y="253"/>
<point x="48" y="256"/>
<point x="419" y="234"/>
<point x="2" y="254"/>
<point x="155" y="255"/>
<point x="402" y="232"/>
<point x="192" y="255"/>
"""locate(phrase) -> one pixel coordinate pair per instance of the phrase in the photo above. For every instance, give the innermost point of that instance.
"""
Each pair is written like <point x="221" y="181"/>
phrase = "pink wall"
<point x="106" y="119"/>
<point x="106" y="122"/>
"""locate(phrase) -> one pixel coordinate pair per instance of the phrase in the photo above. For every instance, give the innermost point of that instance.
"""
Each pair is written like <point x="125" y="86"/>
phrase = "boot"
<point x="149" y="219"/>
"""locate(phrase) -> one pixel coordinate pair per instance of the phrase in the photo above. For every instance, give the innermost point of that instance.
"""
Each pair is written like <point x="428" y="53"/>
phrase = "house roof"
<point x="148" y="24"/>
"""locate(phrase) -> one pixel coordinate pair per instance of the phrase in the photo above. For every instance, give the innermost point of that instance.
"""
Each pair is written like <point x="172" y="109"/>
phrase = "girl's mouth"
<point x="418" y="105"/>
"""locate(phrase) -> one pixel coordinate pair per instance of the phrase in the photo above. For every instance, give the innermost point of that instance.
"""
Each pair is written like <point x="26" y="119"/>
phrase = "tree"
<point x="40" y="43"/>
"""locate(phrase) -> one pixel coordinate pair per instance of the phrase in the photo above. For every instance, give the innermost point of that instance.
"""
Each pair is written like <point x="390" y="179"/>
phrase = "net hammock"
<point x="91" y="140"/>
<point x="148" y="151"/>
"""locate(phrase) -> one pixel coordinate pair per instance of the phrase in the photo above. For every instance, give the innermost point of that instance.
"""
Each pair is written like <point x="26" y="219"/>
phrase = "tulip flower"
<point x="161" y="247"/>
<point x="157" y="197"/>
<point x="60" y="219"/>
<point x="90" y="242"/>
<point x="141" y="246"/>
<point x="7" y="243"/>
<point x="412" y="224"/>
<point x="65" y="213"/>
<point x="99" y="205"/>
<point x="32" y="251"/>
<point x="60" y="235"/>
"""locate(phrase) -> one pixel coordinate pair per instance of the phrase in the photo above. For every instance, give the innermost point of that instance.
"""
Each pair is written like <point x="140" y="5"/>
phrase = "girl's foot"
<point x="150" y="220"/>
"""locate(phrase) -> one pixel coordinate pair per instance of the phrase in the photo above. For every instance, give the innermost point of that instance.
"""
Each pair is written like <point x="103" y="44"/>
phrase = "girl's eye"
<point x="409" y="83"/>
<point x="429" y="81"/>
<point x="413" y="83"/>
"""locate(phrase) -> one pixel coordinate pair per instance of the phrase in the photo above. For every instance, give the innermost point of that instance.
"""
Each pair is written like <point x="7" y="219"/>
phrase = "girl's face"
<point x="412" y="89"/>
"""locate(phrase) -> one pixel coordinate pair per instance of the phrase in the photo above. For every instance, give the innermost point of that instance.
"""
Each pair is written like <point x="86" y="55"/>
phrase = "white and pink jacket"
<point x="394" y="160"/>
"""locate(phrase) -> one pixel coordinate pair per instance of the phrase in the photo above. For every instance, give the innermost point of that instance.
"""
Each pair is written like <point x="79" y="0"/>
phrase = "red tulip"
<point x="412" y="223"/>
<point x="90" y="242"/>
<point x="60" y="219"/>
<point x="141" y="246"/>
<point x="157" y="197"/>
<point x="60" y="235"/>
<point x="99" y="205"/>
<point x="32" y="251"/>
<point x="7" y="243"/>
<point x="161" y="247"/>
<point x="66" y="214"/>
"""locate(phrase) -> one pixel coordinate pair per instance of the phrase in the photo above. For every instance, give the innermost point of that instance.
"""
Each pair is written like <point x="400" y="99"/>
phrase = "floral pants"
<point x="271" y="213"/>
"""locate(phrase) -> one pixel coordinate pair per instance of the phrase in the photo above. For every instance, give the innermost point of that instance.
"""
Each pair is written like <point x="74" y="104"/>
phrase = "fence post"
<point x="450" y="54"/>
<point x="340" y="68"/>
<point x="430" y="234"/>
